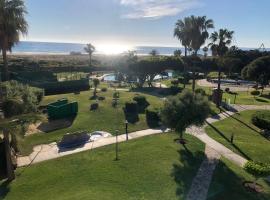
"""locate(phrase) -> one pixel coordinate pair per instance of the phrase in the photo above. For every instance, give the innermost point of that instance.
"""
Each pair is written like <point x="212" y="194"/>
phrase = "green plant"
<point x="257" y="170"/>
<point x="255" y="93"/>
<point x="13" y="107"/>
<point x="175" y="82"/>
<point x="142" y="103"/>
<point x="95" y="83"/>
<point x="131" y="107"/>
<point x="200" y="91"/>
<point x="101" y="98"/>
<point x="261" y="119"/>
<point x="94" y="106"/>
<point x="152" y="117"/>
<point x="104" y="89"/>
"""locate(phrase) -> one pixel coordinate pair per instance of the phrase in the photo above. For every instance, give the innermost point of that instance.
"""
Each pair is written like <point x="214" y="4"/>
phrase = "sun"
<point x="112" y="49"/>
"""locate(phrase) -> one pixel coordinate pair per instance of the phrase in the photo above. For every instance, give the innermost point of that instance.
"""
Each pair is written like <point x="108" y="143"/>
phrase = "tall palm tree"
<point x="205" y="50"/>
<point x="90" y="49"/>
<point x="221" y="41"/>
<point x="198" y="34"/>
<point x="181" y="31"/>
<point x="12" y="24"/>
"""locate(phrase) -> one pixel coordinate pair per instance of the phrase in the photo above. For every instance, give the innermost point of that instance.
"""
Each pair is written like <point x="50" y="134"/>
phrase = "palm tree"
<point x="153" y="53"/>
<point x="96" y="83"/>
<point x="177" y="53"/>
<point x="12" y="25"/>
<point x="90" y="49"/>
<point x="221" y="41"/>
<point x="181" y="31"/>
<point x="198" y="34"/>
<point x="205" y="50"/>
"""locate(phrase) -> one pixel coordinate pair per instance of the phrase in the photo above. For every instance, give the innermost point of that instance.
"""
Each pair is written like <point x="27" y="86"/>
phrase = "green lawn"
<point x="106" y="118"/>
<point x="154" y="167"/>
<point x="248" y="142"/>
<point x="245" y="98"/>
<point x="227" y="184"/>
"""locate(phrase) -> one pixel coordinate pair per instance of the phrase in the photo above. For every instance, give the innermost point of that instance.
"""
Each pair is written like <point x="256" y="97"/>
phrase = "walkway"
<point x="51" y="151"/>
<point x="201" y="182"/>
<point x="213" y="151"/>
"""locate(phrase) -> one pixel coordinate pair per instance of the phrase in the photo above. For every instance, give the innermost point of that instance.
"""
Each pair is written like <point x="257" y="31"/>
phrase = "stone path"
<point x="202" y="180"/>
<point x="51" y="151"/>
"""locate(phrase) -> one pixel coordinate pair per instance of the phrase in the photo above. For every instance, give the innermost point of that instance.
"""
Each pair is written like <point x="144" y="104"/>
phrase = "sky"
<point x="143" y="22"/>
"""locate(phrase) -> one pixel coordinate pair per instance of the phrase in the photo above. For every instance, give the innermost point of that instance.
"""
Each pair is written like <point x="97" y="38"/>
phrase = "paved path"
<point x="202" y="180"/>
<point x="51" y="151"/>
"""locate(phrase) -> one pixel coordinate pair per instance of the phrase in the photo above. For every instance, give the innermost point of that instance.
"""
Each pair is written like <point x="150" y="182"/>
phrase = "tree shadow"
<point x="228" y="140"/>
<point x="184" y="171"/>
<point x="267" y="96"/>
<point x="157" y="92"/>
<point x="226" y="184"/>
<point x="261" y="100"/>
<point x="53" y="125"/>
<point x="4" y="189"/>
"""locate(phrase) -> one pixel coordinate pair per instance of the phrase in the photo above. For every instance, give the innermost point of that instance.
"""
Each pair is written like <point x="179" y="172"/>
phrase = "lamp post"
<point x="116" y="146"/>
<point x="126" y="122"/>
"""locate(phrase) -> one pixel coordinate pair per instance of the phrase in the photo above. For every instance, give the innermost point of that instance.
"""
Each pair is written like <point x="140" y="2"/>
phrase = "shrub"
<point x="101" y="98"/>
<point x="116" y="95"/>
<point x="152" y="117"/>
<point x="200" y="91"/>
<point x="12" y="107"/>
<point x="131" y="107"/>
<point x="175" y="90"/>
<point x="255" y="93"/>
<point x="175" y="82"/>
<point x="261" y="119"/>
<point x="94" y="106"/>
<point x="104" y="89"/>
<point x="142" y="103"/>
<point x="257" y="169"/>
<point x="227" y="90"/>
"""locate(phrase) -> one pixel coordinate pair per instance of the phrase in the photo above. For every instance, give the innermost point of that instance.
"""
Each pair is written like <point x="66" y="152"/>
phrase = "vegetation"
<point x="90" y="49"/>
<point x="150" y="168"/>
<point x="184" y="110"/>
<point x="227" y="183"/>
<point x="261" y="119"/>
<point x="12" y="24"/>
<point x="248" y="140"/>
<point x="106" y="118"/>
<point x="96" y="82"/>
<point x="258" y="70"/>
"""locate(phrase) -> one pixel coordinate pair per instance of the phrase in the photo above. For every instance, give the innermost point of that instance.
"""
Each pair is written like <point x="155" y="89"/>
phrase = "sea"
<point x="27" y="47"/>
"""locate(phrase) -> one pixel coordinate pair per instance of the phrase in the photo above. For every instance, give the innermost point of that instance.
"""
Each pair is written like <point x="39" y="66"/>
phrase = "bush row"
<point x="261" y="119"/>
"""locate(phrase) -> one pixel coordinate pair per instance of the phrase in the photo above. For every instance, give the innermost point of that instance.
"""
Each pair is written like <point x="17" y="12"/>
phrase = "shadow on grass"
<point x="261" y="100"/>
<point x="158" y="92"/>
<point x="4" y="189"/>
<point x="267" y="96"/>
<point x="184" y="171"/>
<point x="228" y="140"/>
<point x="226" y="184"/>
<point x="53" y="125"/>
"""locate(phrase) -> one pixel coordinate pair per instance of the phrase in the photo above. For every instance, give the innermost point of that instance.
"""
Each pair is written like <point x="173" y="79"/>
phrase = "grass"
<point x="106" y="118"/>
<point x="154" y="167"/>
<point x="248" y="141"/>
<point x="227" y="184"/>
<point x="245" y="98"/>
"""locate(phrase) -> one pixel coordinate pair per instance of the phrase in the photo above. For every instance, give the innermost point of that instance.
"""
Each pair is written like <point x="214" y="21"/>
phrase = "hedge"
<point x="142" y="103"/>
<point x="152" y="117"/>
<point x="131" y="107"/>
<point x="13" y="107"/>
<point x="257" y="169"/>
<point x="261" y="119"/>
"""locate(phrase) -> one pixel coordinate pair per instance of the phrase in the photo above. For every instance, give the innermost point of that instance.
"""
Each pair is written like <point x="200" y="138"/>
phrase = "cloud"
<point x="154" y="9"/>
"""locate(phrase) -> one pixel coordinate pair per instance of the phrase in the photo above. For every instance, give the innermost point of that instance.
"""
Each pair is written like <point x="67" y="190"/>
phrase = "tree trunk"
<point x="5" y="75"/>
<point x="90" y="60"/>
<point x="185" y="51"/>
<point x="10" y="169"/>
<point x="219" y="83"/>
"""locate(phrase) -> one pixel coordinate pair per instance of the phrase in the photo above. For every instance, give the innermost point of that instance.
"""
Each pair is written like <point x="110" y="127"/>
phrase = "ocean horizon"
<point x="28" y="47"/>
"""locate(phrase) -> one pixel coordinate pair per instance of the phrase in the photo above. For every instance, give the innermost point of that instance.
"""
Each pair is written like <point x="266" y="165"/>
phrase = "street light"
<point x="126" y="122"/>
<point x="116" y="145"/>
